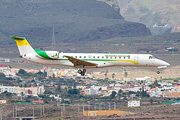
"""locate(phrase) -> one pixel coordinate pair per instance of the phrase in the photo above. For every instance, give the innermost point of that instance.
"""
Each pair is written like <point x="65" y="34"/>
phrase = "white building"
<point x="90" y="91"/>
<point x="57" y="97"/>
<point x="11" y="89"/>
<point x="8" y="73"/>
<point x="98" y="87"/>
<point x="133" y="103"/>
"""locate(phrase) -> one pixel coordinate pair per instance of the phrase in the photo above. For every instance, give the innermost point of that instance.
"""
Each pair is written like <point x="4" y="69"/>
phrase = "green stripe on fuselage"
<point x="42" y="53"/>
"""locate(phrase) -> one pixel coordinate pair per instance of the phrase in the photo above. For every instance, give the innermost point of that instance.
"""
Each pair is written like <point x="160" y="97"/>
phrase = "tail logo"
<point x="55" y="55"/>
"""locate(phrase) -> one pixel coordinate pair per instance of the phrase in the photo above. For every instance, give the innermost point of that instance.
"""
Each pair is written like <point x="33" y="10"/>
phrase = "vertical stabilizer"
<point x="23" y="45"/>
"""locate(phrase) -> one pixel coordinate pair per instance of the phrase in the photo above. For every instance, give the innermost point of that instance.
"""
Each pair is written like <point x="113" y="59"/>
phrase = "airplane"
<point x="84" y="61"/>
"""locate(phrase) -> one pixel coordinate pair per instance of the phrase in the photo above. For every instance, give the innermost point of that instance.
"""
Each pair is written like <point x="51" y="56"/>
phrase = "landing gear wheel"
<point x="83" y="73"/>
<point x="80" y="71"/>
<point x="158" y="72"/>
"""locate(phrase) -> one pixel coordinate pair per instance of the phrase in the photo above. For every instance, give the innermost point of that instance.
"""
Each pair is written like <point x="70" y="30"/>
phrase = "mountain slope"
<point x="159" y="15"/>
<point x="79" y="20"/>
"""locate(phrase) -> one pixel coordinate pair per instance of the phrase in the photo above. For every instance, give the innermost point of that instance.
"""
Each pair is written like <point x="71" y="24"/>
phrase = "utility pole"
<point x="83" y="108"/>
<point x="43" y="109"/>
<point x="16" y="111"/>
<point x="64" y="107"/>
<point x="40" y="110"/>
<point x="61" y="111"/>
<point x="109" y="106"/>
<point x="114" y="106"/>
<point x="13" y="111"/>
<point x="1" y="113"/>
<point x="33" y="113"/>
<point x="78" y="107"/>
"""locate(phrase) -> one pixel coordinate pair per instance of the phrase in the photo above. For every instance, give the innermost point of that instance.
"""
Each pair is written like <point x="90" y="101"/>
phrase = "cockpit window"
<point x="152" y="57"/>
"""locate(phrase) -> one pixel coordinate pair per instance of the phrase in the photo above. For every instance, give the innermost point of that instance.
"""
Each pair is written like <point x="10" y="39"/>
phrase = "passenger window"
<point x="150" y="57"/>
<point x="84" y="56"/>
<point x="102" y="56"/>
<point x="75" y="56"/>
<point x="79" y="56"/>
<point x="98" y="57"/>
<point x="93" y="56"/>
<point x="107" y="57"/>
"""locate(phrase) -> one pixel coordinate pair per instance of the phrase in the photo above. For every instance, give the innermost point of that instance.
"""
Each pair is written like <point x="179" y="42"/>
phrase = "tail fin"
<point x="23" y="45"/>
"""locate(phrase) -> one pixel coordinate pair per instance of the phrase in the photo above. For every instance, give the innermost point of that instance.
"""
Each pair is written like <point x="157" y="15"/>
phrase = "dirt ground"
<point x="156" y="112"/>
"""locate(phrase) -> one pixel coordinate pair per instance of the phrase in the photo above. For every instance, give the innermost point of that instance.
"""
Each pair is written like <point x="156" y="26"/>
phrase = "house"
<point x="3" y="101"/>
<point x="133" y="103"/>
<point x="174" y="94"/>
<point x="35" y="90"/>
<point x="4" y="67"/>
<point x="39" y="102"/>
<point x="9" y="73"/>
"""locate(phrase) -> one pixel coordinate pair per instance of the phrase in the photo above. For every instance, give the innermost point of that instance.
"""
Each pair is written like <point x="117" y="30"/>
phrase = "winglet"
<point x="17" y="38"/>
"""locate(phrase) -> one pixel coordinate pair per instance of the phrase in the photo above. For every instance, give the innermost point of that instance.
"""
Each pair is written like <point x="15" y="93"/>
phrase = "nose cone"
<point x="167" y="64"/>
<point x="163" y="64"/>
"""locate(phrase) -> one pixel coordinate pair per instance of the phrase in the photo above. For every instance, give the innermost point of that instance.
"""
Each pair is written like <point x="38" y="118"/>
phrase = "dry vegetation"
<point x="162" y="112"/>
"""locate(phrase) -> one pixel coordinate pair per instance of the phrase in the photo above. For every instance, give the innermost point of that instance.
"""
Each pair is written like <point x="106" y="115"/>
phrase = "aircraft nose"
<point x="163" y="63"/>
<point x="167" y="64"/>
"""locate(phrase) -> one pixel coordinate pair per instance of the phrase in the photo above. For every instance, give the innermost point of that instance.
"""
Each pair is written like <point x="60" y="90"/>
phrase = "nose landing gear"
<point x="158" y="72"/>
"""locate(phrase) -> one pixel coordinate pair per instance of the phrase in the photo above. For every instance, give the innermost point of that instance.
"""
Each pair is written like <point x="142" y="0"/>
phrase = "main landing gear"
<point x="82" y="71"/>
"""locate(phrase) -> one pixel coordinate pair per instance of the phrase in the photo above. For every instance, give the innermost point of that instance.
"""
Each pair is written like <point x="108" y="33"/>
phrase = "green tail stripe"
<point x="17" y="38"/>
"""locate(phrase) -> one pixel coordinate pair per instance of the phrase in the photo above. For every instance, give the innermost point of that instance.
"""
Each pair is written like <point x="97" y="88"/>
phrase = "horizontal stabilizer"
<point x="18" y="38"/>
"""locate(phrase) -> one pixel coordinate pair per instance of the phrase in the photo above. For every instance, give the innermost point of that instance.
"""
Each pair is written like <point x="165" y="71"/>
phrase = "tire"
<point x="80" y="71"/>
<point x="83" y="73"/>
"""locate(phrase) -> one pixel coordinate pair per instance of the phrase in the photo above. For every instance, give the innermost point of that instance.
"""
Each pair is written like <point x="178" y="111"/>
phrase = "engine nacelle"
<point x="49" y="54"/>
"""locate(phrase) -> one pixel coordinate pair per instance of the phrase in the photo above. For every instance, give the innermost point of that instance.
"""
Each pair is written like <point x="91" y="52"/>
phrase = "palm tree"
<point x="113" y="75"/>
<point x="106" y="74"/>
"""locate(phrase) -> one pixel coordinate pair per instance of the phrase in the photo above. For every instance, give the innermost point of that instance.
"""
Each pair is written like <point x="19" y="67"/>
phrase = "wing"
<point x="77" y="62"/>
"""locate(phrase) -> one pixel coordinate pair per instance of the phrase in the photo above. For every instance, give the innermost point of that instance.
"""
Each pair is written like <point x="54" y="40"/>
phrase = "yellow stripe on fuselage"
<point x="22" y="43"/>
<point x="129" y="61"/>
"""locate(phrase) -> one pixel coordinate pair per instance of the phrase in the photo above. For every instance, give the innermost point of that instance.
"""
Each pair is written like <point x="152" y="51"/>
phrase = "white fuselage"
<point x="101" y="59"/>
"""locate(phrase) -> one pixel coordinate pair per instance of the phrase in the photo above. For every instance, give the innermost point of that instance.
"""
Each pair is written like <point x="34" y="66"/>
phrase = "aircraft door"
<point x="89" y="57"/>
<point x="136" y="60"/>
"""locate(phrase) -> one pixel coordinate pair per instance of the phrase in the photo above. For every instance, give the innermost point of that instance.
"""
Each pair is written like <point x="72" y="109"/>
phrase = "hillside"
<point x="160" y="16"/>
<point x="73" y="21"/>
